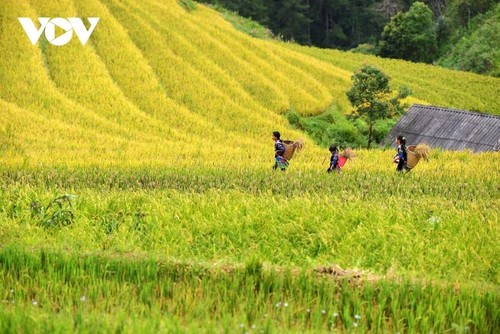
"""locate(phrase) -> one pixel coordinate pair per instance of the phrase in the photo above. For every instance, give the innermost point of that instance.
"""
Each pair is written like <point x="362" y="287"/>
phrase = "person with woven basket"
<point x="334" y="160"/>
<point x="279" y="150"/>
<point x="401" y="157"/>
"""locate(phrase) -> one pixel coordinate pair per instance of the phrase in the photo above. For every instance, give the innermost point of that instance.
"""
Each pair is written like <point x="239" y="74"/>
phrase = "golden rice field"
<point x="158" y="85"/>
<point x="136" y="190"/>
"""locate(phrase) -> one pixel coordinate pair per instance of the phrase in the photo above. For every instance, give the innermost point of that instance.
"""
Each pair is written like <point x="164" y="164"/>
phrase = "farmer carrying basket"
<point x="338" y="160"/>
<point x="284" y="150"/>
<point x="409" y="156"/>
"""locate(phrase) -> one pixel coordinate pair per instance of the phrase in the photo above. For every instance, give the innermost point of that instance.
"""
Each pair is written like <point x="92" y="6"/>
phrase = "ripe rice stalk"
<point x="348" y="153"/>
<point x="422" y="151"/>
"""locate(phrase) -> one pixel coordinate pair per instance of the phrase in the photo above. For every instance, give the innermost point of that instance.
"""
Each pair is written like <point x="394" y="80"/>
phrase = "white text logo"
<point x="49" y="25"/>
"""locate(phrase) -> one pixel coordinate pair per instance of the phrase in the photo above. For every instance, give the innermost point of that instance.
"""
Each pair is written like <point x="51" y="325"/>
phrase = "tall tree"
<point x="411" y="35"/>
<point x="329" y="17"/>
<point x="388" y="8"/>
<point x="254" y="9"/>
<point x="291" y="20"/>
<point x="463" y="11"/>
<point x="372" y="98"/>
<point x="437" y="6"/>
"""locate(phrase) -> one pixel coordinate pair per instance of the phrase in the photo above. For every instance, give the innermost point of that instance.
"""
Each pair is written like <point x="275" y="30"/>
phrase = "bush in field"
<point x="58" y="213"/>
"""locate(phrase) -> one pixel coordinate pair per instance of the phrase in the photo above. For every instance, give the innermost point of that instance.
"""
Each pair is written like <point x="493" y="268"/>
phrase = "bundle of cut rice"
<point x="292" y="146"/>
<point x="348" y="153"/>
<point x="422" y="151"/>
<point x="415" y="153"/>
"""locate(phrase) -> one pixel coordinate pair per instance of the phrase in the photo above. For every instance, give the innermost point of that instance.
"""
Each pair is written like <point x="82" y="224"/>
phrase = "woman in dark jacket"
<point x="401" y="157"/>
<point x="279" y="150"/>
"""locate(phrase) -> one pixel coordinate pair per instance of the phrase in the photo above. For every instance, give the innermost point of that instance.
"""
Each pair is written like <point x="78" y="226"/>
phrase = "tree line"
<point x="420" y="31"/>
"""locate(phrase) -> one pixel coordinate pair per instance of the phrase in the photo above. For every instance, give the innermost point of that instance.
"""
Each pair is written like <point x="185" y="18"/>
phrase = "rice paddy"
<point x="137" y="195"/>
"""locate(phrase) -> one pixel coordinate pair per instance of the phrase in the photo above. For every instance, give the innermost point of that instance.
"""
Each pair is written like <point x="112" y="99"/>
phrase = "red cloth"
<point x="342" y="161"/>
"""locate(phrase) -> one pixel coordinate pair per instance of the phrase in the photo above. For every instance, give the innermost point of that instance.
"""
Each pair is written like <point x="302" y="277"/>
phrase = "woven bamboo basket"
<point x="292" y="146"/>
<point x="412" y="159"/>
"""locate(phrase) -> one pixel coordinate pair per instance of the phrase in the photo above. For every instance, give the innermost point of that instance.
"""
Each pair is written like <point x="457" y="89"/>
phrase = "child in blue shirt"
<point x="279" y="150"/>
<point x="334" y="159"/>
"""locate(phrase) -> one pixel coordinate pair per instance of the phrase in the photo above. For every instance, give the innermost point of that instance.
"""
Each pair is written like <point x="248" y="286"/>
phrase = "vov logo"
<point x="69" y="25"/>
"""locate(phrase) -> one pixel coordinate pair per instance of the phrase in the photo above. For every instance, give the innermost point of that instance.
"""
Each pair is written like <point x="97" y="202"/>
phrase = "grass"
<point x="428" y="224"/>
<point x="184" y="296"/>
<point x="208" y="250"/>
<point x="245" y="25"/>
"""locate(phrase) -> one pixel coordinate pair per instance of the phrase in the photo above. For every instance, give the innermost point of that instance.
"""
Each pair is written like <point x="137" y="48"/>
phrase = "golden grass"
<point x="157" y="85"/>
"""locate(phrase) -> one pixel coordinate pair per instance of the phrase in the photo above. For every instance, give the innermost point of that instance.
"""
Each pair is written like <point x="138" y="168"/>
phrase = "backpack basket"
<point x="292" y="146"/>
<point x="411" y="157"/>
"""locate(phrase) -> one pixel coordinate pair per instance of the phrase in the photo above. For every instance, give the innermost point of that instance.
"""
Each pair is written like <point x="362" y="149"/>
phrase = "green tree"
<point x="372" y="98"/>
<point x="254" y="9"/>
<point x="477" y="51"/>
<point x="463" y="11"/>
<point x="291" y="20"/>
<point x="411" y="35"/>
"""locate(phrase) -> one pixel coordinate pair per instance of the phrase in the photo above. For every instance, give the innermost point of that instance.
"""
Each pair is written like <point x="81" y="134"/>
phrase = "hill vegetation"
<point x="476" y="48"/>
<point x="417" y="30"/>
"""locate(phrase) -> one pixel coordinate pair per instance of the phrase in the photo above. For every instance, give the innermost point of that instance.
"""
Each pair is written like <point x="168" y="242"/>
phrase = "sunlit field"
<point x="137" y="195"/>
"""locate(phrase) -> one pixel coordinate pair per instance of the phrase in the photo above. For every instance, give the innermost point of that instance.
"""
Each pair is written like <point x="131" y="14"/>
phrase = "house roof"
<point x="449" y="129"/>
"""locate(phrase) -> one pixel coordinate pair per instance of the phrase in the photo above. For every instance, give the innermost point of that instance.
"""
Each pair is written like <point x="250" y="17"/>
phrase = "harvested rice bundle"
<point x="422" y="151"/>
<point x="348" y="153"/>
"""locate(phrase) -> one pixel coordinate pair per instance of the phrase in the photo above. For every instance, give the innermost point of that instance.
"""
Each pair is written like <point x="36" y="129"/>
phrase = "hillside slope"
<point x="159" y="85"/>
<point x="477" y="50"/>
